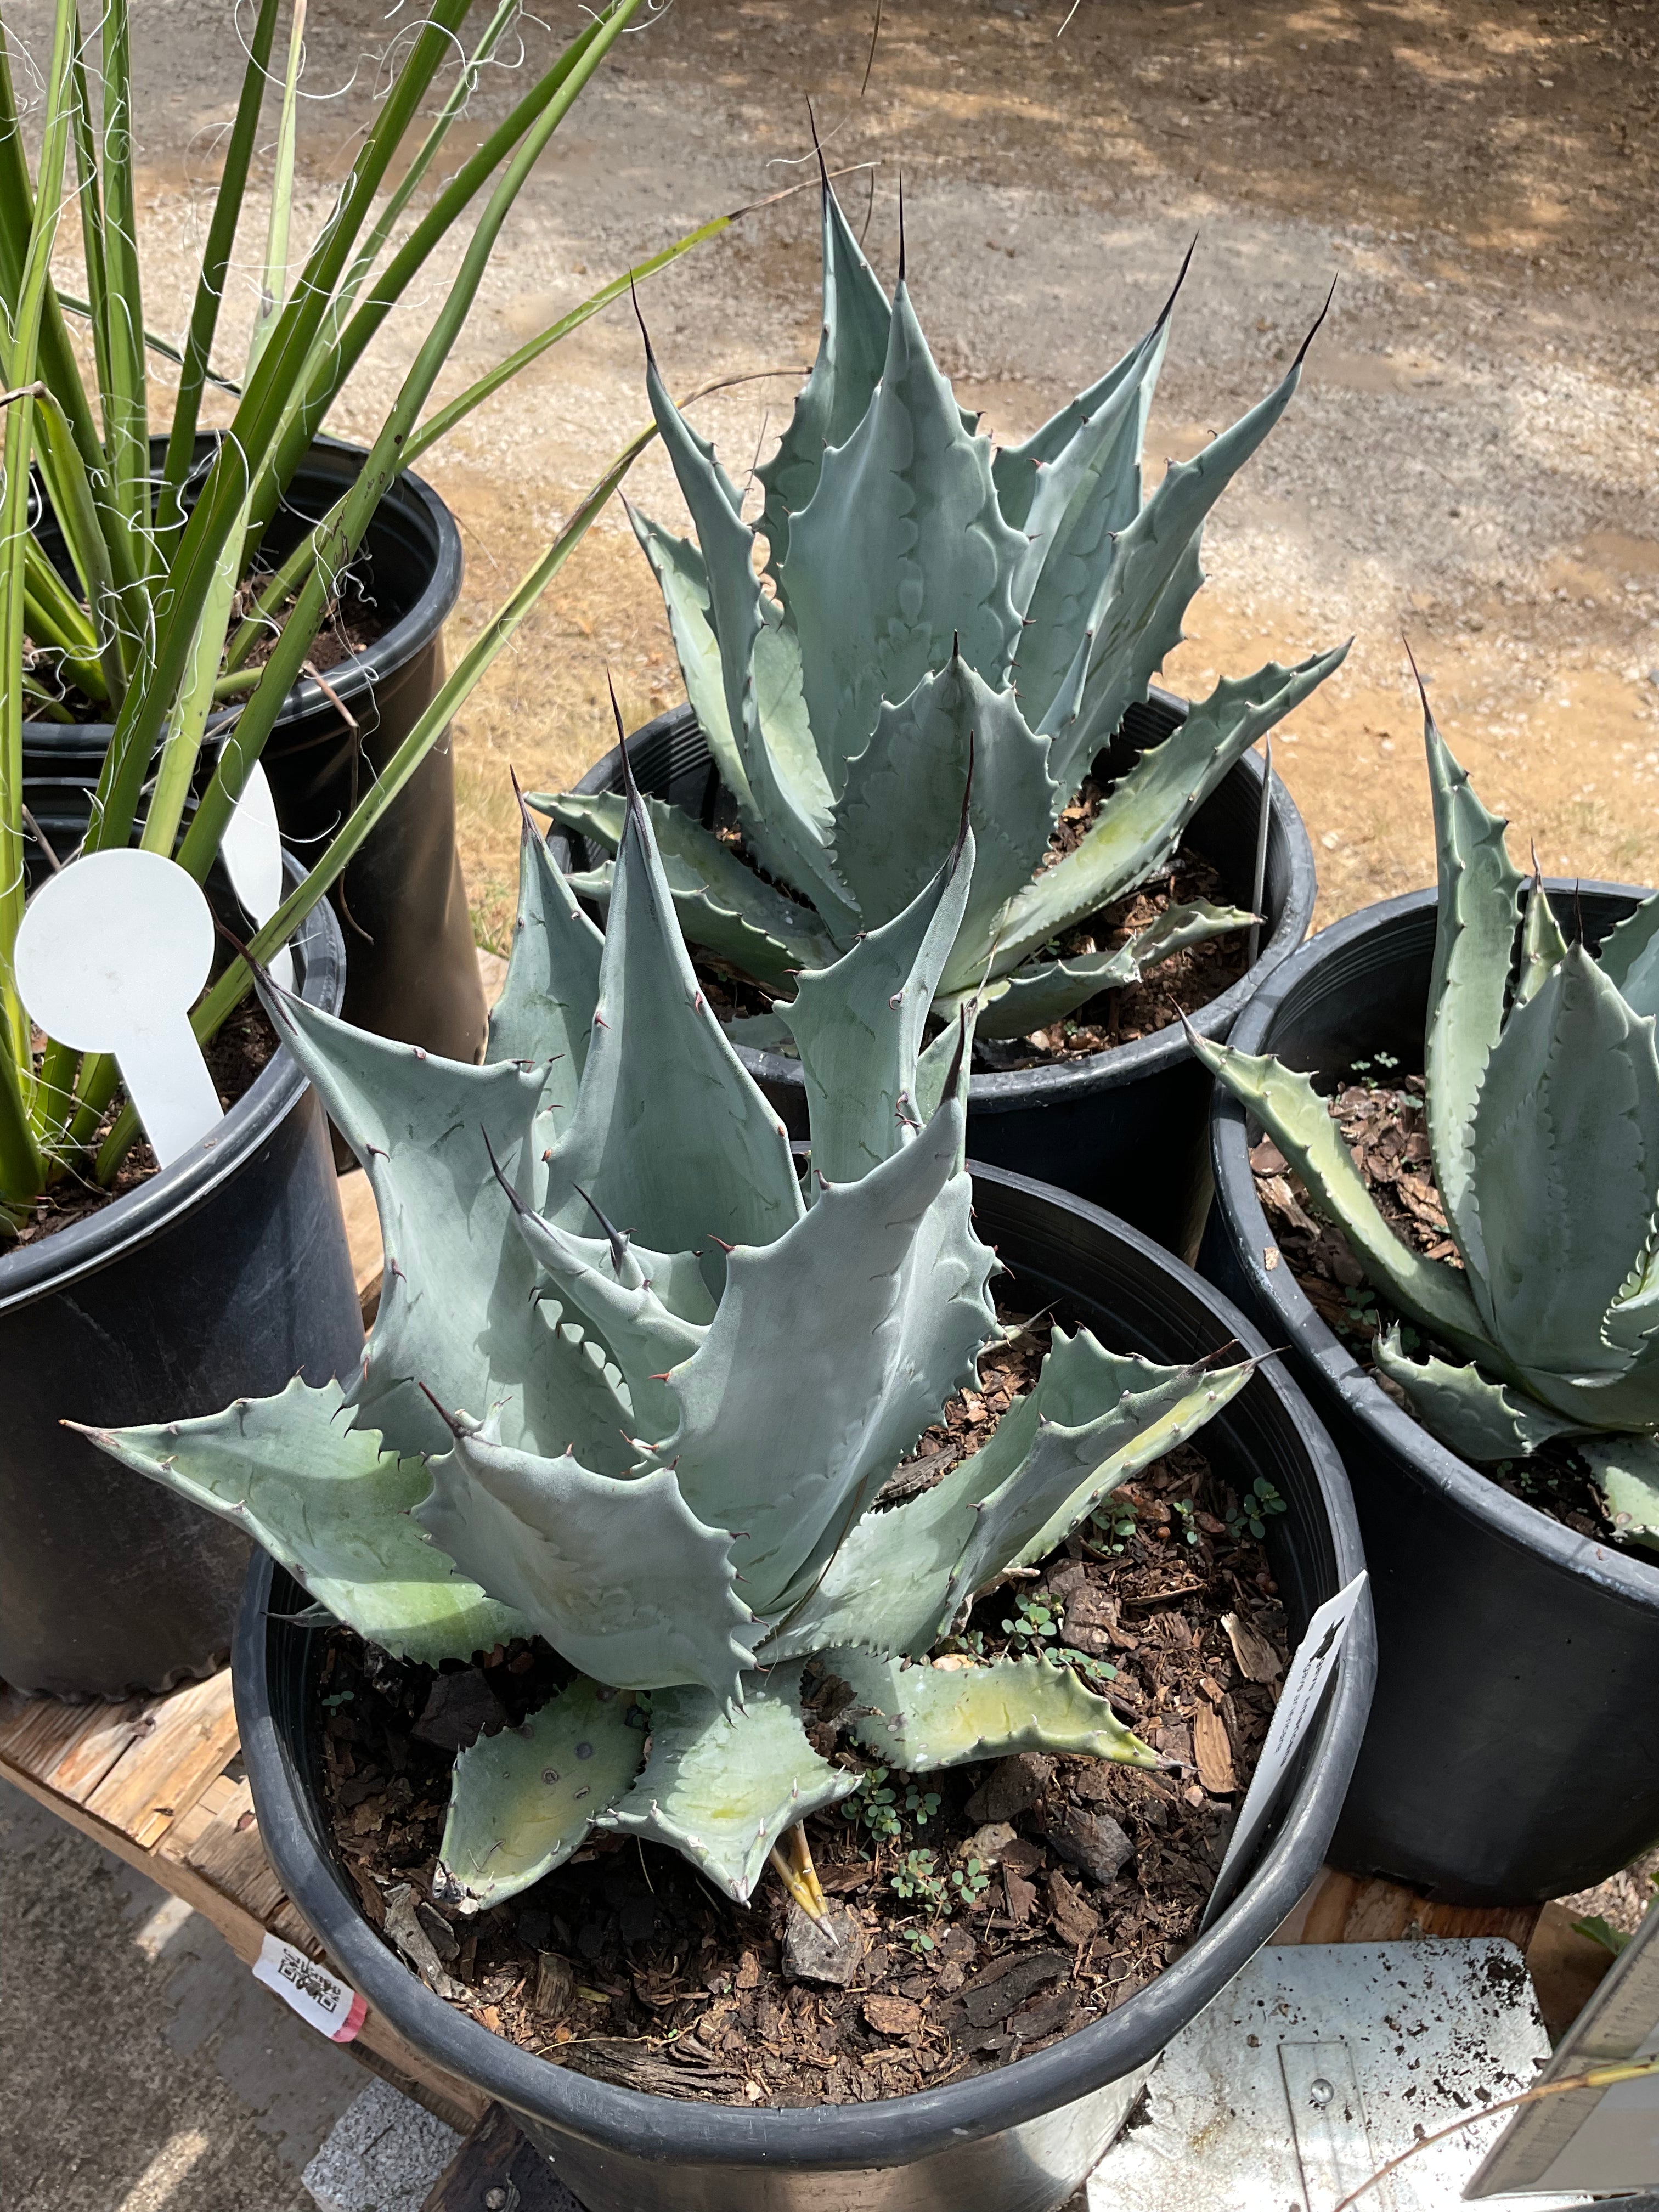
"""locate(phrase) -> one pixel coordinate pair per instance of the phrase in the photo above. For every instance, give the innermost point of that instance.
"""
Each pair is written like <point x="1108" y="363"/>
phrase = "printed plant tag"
<point x="1311" y="1667"/>
<point x="332" y="2009"/>
<point x="111" y="956"/>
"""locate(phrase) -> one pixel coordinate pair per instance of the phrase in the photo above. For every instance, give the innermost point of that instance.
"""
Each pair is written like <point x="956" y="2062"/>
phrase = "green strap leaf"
<point x="921" y="1717"/>
<point x="898" y="816"/>
<point x="852" y="352"/>
<point x="901" y="554"/>
<point x="1295" y="1117"/>
<point x="1627" y="1470"/>
<point x="331" y="1506"/>
<point x="1041" y="992"/>
<point x="620" y="1575"/>
<point x="721" y="1789"/>
<point x="1469" y="985"/>
<point x="870" y="1311"/>
<point x="1629" y="958"/>
<point x="858" y="1025"/>
<point x="678" y="1164"/>
<point x="521" y="1801"/>
<point x="1478" y="1419"/>
<point x="1144" y="817"/>
<point x="1564" y="1172"/>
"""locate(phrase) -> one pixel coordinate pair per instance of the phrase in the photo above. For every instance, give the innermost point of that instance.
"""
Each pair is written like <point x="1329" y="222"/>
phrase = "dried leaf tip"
<point x="901" y="198"/>
<point x="617" y="1238"/>
<point x="1302" y="350"/>
<point x="518" y="1203"/>
<point x="633" y="295"/>
<point x="1167" y="308"/>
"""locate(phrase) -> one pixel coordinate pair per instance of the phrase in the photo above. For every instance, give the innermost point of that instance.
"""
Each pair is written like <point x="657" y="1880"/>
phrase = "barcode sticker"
<point x="317" y="1996"/>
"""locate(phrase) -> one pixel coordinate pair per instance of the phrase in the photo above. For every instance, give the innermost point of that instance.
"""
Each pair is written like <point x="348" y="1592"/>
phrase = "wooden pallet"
<point x="158" y="1782"/>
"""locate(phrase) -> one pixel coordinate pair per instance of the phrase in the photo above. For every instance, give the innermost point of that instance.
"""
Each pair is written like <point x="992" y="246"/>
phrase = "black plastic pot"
<point x="1513" y="1750"/>
<point x="222" y="1277"/>
<point x="1016" y="2141"/>
<point x="413" y="971"/>
<point x="1124" y="1128"/>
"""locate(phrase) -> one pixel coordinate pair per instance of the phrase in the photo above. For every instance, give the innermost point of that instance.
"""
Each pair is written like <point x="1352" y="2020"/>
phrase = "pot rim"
<point x="900" y="2130"/>
<point x="1620" y="1574"/>
<point x="48" y="1265"/>
<point x="356" y="675"/>
<point x="1010" y="1090"/>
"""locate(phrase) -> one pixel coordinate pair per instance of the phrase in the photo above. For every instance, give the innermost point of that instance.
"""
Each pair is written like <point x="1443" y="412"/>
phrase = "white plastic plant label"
<point x="251" y="850"/>
<point x="1312" y="1664"/>
<point x="111" y="955"/>
<point x="332" y="2008"/>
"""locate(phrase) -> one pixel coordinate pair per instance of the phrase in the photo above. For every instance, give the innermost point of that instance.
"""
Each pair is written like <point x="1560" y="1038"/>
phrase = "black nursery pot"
<point x="1126" y="1128"/>
<point x="413" y="972"/>
<point x="1019" y="2140"/>
<point x="221" y="1277"/>
<point x="1513" y="1750"/>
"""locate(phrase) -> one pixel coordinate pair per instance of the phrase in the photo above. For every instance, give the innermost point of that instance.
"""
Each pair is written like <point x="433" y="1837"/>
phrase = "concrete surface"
<point x="382" y="2155"/>
<point x="145" y="2069"/>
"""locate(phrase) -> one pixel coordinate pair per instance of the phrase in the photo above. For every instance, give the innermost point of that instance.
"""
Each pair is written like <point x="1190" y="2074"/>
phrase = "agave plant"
<point x="138" y="630"/>
<point x="660" y="1446"/>
<point x="927" y="601"/>
<point x="1542" y="1090"/>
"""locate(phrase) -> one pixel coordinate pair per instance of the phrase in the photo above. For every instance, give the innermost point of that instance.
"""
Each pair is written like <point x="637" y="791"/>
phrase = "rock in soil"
<point x="831" y="1953"/>
<point x="1012" y="1786"/>
<point x="1093" y="1841"/>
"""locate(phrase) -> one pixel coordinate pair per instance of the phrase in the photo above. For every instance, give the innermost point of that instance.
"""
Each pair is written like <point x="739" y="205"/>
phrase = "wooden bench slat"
<point x="186" y="1741"/>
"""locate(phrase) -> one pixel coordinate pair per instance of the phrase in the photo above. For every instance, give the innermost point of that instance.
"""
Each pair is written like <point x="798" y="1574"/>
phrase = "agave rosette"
<point x="1542" y="1113"/>
<point x="928" y="602"/>
<point x="635" y="1386"/>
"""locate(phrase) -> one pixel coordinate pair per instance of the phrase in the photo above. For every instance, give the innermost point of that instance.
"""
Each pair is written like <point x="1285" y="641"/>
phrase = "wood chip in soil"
<point x="1384" y="1125"/>
<point x="627" y="1966"/>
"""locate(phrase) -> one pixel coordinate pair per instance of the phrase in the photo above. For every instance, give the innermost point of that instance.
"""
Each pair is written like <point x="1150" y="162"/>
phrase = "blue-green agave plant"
<point x="929" y="601"/>
<point x="634" y="1387"/>
<point x="1542" y="1088"/>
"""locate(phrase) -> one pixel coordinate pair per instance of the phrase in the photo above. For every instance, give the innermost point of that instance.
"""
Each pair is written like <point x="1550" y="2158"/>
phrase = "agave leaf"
<point x="1153" y="573"/>
<point x="1069" y="1468"/>
<point x="1627" y="1469"/>
<point x="1295" y="1116"/>
<point x="520" y="1801"/>
<point x="852" y="351"/>
<point x="613" y="1290"/>
<point x="1478" y="1419"/>
<point x="1090" y="1421"/>
<point x="332" y="1508"/>
<point x="760" y="1032"/>
<point x="1144" y="819"/>
<point x="1473" y="952"/>
<point x="1041" y="992"/>
<point x="870" y="1311"/>
<point x="900" y="812"/>
<point x="457" y="1310"/>
<point x="1047" y="467"/>
<point x="919" y="1717"/>
<point x="1629" y="958"/>
<point x="1541" y="944"/>
<point x="788" y="825"/>
<point x="858" y="1026"/>
<point x="679" y="1164"/>
<point x="900" y="552"/>
<point x="1564" y="1162"/>
<point x="620" y="1575"/>
<point x="721" y="904"/>
<point x="683" y="578"/>
<point x="720" y="1789"/>
<point x="546" y="1010"/>
<point x="1082" y="500"/>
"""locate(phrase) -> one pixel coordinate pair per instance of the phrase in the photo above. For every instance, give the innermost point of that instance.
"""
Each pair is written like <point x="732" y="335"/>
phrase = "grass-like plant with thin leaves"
<point x="142" y="635"/>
